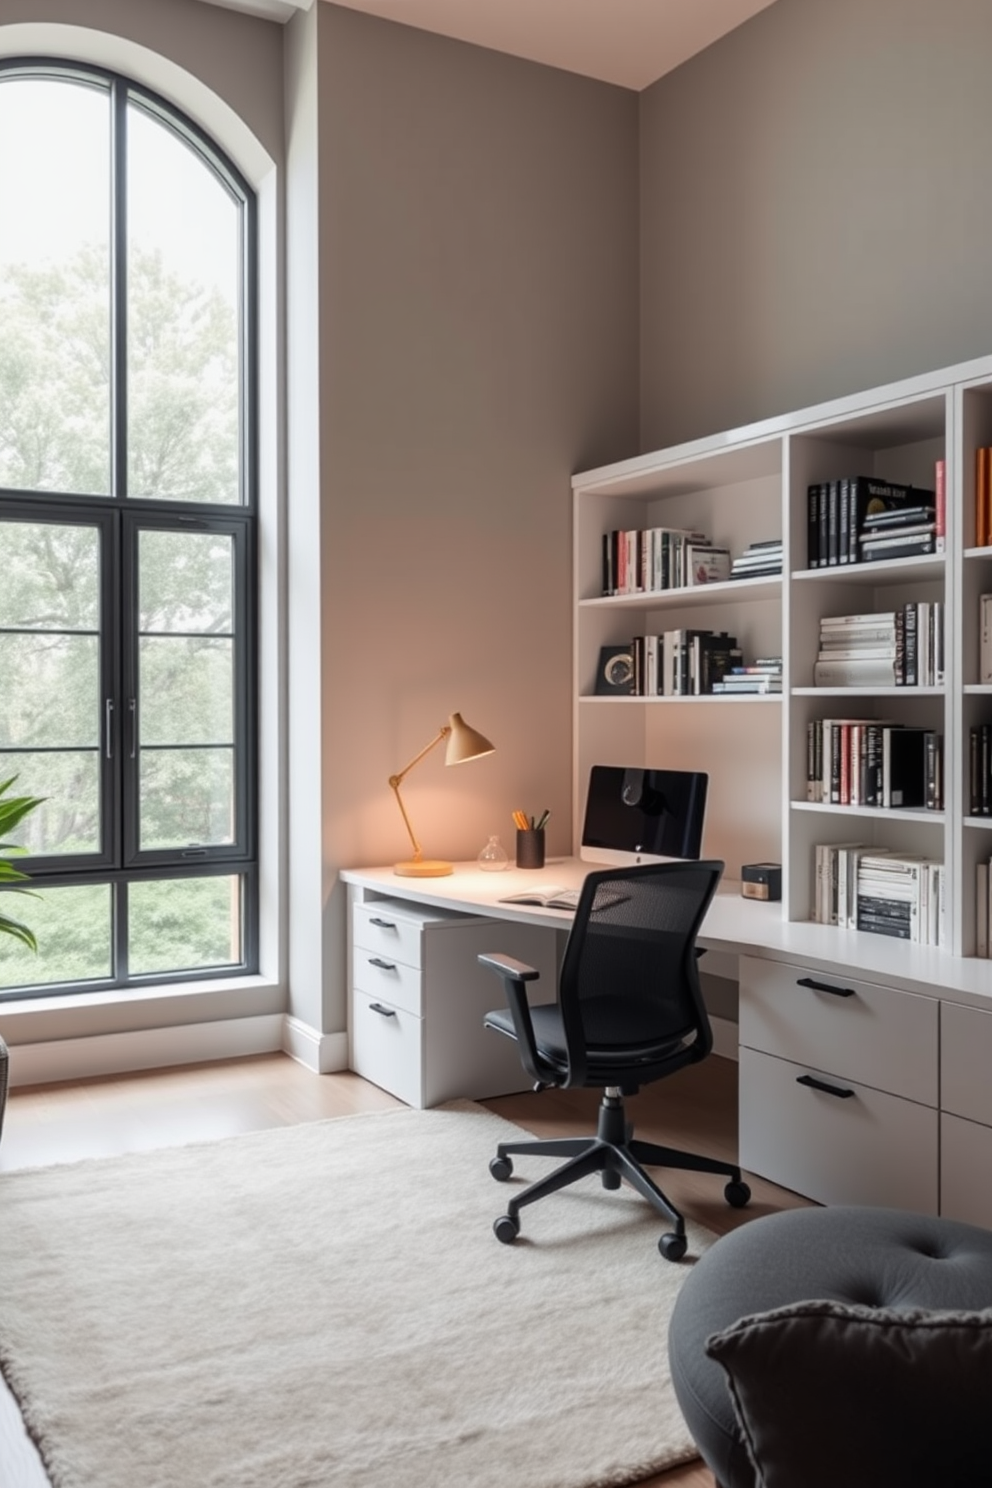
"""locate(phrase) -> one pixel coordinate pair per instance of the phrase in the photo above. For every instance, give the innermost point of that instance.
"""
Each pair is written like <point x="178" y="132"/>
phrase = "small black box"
<point x="761" y="880"/>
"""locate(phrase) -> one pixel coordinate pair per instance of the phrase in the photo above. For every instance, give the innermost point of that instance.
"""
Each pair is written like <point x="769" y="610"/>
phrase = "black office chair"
<point x="629" y="1011"/>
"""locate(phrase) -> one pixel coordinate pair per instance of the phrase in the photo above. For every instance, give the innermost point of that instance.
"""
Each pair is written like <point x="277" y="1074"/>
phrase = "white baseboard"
<point x="324" y="1053"/>
<point x="725" y="1037"/>
<point x="152" y="1048"/>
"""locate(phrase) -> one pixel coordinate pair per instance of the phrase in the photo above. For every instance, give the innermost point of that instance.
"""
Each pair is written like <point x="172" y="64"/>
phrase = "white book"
<point x="985" y="638"/>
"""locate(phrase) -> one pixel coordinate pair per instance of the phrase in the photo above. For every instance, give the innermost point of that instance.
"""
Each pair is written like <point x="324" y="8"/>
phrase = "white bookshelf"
<point x="751" y="484"/>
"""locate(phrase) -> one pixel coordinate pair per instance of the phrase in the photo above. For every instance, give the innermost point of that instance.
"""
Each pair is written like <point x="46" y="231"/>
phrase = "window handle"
<point x="132" y="708"/>
<point x="108" y="728"/>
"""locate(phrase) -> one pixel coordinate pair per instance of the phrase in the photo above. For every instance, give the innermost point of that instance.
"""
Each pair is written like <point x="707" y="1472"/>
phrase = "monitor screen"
<point x="643" y="816"/>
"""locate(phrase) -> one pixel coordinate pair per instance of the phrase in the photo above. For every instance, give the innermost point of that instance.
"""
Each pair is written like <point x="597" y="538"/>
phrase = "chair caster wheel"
<point x="506" y="1229"/>
<point x="610" y="1180"/>
<point x="501" y="1168"/>
<point x="672" y="1246"/>
<point x="737" y="1195"/>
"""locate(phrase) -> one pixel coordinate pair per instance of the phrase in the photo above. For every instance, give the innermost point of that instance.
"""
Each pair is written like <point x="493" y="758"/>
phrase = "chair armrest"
<point x="515" y="975"/>
<point x="508" y="966"/>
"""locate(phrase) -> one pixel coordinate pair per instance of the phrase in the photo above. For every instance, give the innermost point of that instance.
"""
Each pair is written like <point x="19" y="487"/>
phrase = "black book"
<point x="934" y="770"/>
<point x="891" y="521"/>
<point x="813" y="526"/>
<point x="914" y="549"/>
<point x="872" y="755"/>
<point x="910" y="646"/>
<point x="903" y="767"/>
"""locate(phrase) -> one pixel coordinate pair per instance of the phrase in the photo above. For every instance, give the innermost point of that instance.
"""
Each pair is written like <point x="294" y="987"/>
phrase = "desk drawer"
<point x="387" y="1047"/>
<point x="865" y="1148"/>
<point x="388" y="930"/>
<point x="965" y="1062"/>
<point x="878" y="1036"/>
<point x="380" y="975"/>
<point x="966" y="1171"/>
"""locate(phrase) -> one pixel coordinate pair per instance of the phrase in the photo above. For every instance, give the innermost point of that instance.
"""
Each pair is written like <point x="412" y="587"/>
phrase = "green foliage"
<point x="13" y="810"/>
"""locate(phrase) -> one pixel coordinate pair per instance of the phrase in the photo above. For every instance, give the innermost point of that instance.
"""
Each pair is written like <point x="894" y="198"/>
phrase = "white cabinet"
<point x="838" y="1086"/>
<point x="418" y="998"/>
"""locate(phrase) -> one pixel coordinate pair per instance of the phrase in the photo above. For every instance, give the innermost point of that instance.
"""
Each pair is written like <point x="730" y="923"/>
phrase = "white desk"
<point x="907" y="1120"/>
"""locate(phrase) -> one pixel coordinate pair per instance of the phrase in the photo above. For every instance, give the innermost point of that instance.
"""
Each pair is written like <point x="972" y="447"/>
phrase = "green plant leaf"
<point x="19" y="932"/>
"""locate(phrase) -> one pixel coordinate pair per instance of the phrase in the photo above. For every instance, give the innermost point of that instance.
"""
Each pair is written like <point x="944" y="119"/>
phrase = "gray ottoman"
<point x="873" y="1257"/>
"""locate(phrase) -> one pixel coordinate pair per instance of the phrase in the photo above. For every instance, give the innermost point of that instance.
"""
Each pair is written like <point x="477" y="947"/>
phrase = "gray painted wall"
<point x="816" y="210"/>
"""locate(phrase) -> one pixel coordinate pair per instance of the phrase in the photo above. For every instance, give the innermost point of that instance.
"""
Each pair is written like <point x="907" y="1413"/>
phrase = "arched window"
<point x="127" y="533"/>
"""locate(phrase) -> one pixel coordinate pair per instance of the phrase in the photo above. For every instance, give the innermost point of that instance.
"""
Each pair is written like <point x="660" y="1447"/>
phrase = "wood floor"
<point x="101" y="1118"/>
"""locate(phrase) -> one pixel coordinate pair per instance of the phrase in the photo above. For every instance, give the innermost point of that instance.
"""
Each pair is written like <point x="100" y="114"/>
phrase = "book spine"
<point x="843" y="521"/>
<point x="833" y="523"/>
<point x="940" y="504"/>
<point x="985" y="638"/>
<point x="911" y="641"/>
<point x="983" y="495"/>
<point x="813" y="526"/>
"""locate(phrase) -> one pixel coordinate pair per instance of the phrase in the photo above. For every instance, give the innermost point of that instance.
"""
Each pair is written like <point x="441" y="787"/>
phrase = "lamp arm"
<point x="400" y="776"/>
<point x="395" y="781"/>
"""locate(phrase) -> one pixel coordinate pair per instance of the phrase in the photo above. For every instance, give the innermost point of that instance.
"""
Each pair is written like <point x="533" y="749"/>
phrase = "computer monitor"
<point x="643" y="816"/>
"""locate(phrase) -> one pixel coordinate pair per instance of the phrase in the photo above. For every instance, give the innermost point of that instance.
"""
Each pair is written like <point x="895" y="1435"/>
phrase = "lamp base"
<point x="424" y="868"/>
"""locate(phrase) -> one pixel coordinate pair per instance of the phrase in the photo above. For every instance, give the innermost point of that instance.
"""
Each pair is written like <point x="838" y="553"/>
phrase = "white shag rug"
<point x="326" y="1306"/>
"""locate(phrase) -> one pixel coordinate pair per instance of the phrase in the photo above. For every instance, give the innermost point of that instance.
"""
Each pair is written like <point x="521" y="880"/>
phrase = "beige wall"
<point x="817" y="210"/>
<point x="478" y="314"/>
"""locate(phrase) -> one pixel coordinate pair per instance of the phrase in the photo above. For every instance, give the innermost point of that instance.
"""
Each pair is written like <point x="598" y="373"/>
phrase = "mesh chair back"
<point x="629" y="987"/>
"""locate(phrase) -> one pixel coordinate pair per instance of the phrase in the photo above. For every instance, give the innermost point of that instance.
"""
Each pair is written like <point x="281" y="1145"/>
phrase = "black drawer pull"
<point x="386" y="965"/>
<point x="383" y="924"/>
<point x="836" y="1090"/>
<point x="825" y="987"/>
<point x="384" y="1012"/>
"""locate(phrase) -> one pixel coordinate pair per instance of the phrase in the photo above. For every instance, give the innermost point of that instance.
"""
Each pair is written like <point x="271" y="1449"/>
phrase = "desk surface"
<point x="733" y="924"/>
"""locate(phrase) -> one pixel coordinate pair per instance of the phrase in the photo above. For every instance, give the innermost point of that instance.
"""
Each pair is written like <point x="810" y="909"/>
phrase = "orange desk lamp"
<point x="464" y="743"/>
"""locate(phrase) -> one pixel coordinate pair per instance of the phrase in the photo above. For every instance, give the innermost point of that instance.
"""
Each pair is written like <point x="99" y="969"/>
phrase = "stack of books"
<point x="657" y="558"/>
<point x="980" y="770"/>
<point x="763" y="676"/>
<point x="893" y="648"/>
<point x="907" y="532"/>
<point x="874" y="762"/>
<point x="983" y="497"/>
<point x="900" y="895"/>
<point x="759" y="560"/>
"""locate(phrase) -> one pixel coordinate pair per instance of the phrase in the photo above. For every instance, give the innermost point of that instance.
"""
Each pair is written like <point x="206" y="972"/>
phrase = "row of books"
<point x="980" y="770"/>
<point x="862" y="887"/>
<point x="694" y="663"/>
<point x="893" y="648"/>
<point x="657" y="558"/>
<point x="874" y="762"/>
<point x="861" y="518"/>
<point x="759" y="560"/>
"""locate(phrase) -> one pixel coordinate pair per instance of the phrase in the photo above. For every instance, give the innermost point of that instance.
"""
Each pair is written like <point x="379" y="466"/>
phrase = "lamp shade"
<point x="464" y="742"/>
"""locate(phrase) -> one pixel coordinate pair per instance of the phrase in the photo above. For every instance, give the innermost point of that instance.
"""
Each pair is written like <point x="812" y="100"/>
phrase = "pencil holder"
<point x="530" y="848"/>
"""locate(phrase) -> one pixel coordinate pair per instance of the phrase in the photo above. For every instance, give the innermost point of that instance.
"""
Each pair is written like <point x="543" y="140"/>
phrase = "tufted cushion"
<point x="863" y="1256"/>
<point x="826" y="1394"/>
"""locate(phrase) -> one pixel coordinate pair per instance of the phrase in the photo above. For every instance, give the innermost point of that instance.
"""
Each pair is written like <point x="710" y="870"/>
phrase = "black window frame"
<point x="120" y="517"/>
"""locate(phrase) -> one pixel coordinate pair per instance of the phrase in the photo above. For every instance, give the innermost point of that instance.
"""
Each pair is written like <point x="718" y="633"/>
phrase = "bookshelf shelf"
<point x="916" y="815"/>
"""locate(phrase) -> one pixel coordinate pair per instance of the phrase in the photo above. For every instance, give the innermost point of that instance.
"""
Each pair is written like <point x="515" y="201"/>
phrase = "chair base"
<point x="616" y="1154"/>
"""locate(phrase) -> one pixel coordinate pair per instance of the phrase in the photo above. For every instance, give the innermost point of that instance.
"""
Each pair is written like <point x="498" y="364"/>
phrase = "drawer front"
<point x="383" y="976"/>
<point x="878" y="1036"/>
<point x="864" y="1148"/>
<point x="966" y="1171"/>
<point x="383" y="930"/>
<point x="965" y="1062"/>
<point x="387" y="1047"/>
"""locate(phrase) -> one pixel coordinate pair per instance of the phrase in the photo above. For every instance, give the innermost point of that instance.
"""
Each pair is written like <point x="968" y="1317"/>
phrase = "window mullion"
<point x="118" y="287"/>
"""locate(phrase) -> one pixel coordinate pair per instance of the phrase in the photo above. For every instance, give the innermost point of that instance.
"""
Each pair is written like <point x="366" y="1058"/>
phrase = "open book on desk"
<point x="563" y="898"/>
<point x="551" y="898"/>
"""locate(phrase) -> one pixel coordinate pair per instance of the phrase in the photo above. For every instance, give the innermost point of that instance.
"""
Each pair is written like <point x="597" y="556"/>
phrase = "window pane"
<point x="184" y="233"/>
<point x="178" y="924"/>
<point x="69" y="819"/>
<point x="187" y="798"/>
<point x="51" y="574"/>
<point x="187" y="691"/>
<point x="50" y="690"/>
<point x="54" y="286"/>
<point x="73" y="930"/>
<point x="185" y="582"/>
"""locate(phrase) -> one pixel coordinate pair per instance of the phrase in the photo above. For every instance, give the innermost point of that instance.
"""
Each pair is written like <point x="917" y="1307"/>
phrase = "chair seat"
<point x="600" y="1016"/>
